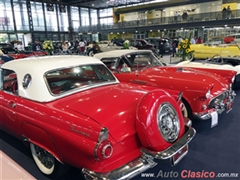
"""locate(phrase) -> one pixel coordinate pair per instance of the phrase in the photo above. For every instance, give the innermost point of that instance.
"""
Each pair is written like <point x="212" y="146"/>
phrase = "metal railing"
<point x="200" y="17"/>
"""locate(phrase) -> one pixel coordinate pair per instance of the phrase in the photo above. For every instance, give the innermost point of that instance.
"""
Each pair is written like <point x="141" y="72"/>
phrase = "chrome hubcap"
<point x="45" y="157"/>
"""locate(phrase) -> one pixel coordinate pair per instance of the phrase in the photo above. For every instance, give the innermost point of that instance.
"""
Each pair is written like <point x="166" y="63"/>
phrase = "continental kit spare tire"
<point x="159" y="120"/>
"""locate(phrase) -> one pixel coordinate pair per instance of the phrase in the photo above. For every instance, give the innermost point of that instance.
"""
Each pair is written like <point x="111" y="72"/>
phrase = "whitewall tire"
<point x="44" y="160"/>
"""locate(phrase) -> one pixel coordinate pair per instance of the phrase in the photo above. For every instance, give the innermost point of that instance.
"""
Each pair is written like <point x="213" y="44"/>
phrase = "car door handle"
<point x="12" y="104"/>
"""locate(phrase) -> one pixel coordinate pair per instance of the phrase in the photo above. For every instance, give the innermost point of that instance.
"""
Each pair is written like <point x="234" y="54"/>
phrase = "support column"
<point x="30" y="20"/>
<point x="44" y="19"/>
<point x="14" y="20"/>
<point x="98" y="20"/>
<point x="70" y="25"/>
<point x="58" y="24"/>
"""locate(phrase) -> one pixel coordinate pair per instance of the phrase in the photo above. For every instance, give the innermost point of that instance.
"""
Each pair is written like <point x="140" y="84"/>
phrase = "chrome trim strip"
<point x="103" y="134"/>
<point x="174" y="148"/>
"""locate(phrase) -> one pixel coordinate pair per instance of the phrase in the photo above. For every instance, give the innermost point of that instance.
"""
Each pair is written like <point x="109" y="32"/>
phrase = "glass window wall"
<point x="51" y="18"/>
<point x="106" y="12"/>
<point x="94" y="17"/>
<point x="3" y="38"/>
<point x="21" y="15"/>
<point x="63" y="20"/>
<point x="75" y="18"/>
<point x="12" y="37"/>
<point x="37" y="15"/>
<point x="85" y="17"/>
<point x="6" y="16"/>
<point x="106" y="21"/>
<point x="39" y="37"/>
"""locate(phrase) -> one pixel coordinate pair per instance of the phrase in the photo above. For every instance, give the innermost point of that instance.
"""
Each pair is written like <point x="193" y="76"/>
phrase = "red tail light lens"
<point x="103" y="150"/>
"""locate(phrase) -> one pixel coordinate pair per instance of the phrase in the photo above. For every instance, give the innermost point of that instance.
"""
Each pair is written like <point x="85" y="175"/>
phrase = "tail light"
<point x="104" y="148"/>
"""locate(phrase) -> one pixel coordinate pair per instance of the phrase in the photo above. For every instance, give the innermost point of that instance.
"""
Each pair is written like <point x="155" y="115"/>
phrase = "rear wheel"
<point x="46" y="162"/>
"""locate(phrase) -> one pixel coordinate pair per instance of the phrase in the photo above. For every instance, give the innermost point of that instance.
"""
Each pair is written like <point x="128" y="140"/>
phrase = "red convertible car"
<point x="205" y="93"/>
<point x="71" y="110"/>
<point x="9" y="50"/>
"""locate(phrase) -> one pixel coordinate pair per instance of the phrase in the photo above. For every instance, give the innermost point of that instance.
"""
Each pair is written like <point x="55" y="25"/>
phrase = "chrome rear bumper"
<point x="172" y="150"/>
<point x="142" y="163"/>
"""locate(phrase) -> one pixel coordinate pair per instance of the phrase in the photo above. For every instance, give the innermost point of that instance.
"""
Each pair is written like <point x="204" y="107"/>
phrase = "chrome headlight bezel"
<point x="168" y="122"/>
<point x="207" y="95"/>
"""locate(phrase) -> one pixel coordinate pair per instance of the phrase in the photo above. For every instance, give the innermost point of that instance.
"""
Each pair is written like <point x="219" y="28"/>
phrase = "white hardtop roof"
<point x="43" y="64"/>
<point x="117" y="53"/>
<point x="37" y="67"/>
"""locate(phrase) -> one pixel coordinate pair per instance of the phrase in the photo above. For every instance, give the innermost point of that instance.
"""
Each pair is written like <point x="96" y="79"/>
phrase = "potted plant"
<point x="184" y="49"/>
<point x="48" y="47"/>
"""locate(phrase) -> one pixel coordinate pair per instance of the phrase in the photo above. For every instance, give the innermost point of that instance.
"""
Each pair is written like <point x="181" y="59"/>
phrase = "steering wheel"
<point x="216" y="58"/>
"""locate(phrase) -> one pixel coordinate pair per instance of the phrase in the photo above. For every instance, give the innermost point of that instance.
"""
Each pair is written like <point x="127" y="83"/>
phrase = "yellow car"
<point x="203" y="51"/>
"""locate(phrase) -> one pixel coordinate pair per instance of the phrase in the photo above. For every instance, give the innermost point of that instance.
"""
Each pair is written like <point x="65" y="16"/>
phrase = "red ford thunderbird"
<point x="205" y="93"/>
<point x="71" y="110"/>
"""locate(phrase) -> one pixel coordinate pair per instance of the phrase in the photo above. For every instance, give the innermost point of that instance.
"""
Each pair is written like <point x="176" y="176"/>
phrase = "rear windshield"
<point x="68" y="79"/>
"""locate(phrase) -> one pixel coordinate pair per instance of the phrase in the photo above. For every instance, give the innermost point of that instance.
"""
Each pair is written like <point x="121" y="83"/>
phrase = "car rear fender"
<point x="39" y="137"/>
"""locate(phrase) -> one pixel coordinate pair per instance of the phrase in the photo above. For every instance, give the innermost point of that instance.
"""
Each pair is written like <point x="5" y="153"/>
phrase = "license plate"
<point x="229" y="107"/>
<point x="179" y="155"/>
<point x="214" y="117"/>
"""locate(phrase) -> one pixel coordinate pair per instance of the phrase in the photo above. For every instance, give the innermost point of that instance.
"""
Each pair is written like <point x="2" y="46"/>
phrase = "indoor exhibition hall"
<point x="119" y="89"/>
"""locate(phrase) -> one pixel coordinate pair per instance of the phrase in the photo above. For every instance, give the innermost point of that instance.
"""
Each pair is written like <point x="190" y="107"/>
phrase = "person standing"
<point x="174" y="46"/>
<point x="65" y="47"/>
<point x="20" y="46"/>
<point x="224" y="13"/>
<point x="229" y="12"/>
<point x="193" y="40"/>
<point x="185" y="15"/>
<point x="37" y="46"/>
<point x="161" y="47"/>
<point x="82" y="47"/>
<point x="76" y="44"/>
<point x="176" y="16"/>
<point x="199" y="41"/>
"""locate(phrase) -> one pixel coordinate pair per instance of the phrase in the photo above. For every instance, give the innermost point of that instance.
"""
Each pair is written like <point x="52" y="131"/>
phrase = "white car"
<point x="216" y="62"/>
<point x="107" y="46"/>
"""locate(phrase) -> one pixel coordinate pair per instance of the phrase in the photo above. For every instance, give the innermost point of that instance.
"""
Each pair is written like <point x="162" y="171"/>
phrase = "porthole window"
<point x="27" y="81"/>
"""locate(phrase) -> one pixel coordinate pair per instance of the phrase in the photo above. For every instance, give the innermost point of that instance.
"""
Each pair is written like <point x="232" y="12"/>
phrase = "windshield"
<point x="143" y="59"/>
<point x="67" y="79"/>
